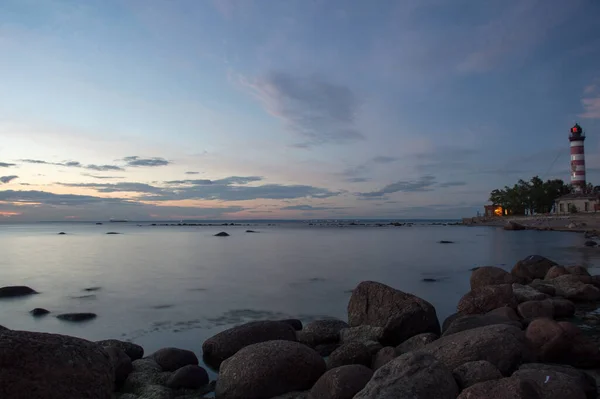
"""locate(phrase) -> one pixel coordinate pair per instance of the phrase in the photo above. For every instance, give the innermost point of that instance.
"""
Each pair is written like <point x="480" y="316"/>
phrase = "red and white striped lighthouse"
<point x="577" y="137"/>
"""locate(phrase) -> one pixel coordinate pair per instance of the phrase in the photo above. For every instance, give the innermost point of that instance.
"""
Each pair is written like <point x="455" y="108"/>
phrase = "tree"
<point x="534" y="196"/>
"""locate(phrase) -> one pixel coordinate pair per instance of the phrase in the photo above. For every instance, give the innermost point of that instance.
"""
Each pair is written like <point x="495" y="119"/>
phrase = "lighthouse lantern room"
<point x="577" y="137"/>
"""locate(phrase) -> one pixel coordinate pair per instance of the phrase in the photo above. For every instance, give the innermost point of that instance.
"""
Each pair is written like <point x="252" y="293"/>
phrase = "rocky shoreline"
<point x="515" y="335"/>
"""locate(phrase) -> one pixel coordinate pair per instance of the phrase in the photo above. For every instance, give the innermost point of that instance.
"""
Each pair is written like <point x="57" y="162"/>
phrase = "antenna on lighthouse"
<point x="577" y="137"/>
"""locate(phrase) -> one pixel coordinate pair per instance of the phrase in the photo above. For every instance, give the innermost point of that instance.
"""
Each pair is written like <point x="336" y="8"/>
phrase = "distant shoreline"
<point x="579" y="223"/>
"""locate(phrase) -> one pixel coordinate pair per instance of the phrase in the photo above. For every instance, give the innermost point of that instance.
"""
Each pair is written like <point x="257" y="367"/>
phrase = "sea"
<point x="171" y="285"/>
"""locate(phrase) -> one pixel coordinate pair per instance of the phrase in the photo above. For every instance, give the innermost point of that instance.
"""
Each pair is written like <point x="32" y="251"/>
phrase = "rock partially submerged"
<point x="132" y="350"/>
<point x="16" y="291"/>
<point x="484" y="299"/>
<point x="490" y="275"/>
<point x="514" y="226"/>
<point x="222" y="234"/>
<point x="171" y="359"/>
<point x="532" y="267"/>
<point x="76" y="317"/>
<point x="37" y="312"/>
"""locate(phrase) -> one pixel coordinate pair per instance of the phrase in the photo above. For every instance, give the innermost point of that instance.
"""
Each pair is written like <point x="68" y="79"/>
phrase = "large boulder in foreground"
<point x="556" y="271"/>
<point x="470" y="322"/>
<point x="562" y="307"/>
<point x="532" y="267"/>
<point x="16" y="291"/>
<point x="269" y="369"/>
<point x="171" y="359"/>
<point x="506" y="388"/>
<point x="501" y="345"/>
<point x="575" y="288"/>
<point x="490" y="275"/>
<point x="350" y="353"/>
<point x="414" y="375"/>
<point x="121" y="364"/>
<point x="475" y="372"/>
<point x="361" y="334"/>
<point x="553" y="384"/>
<point x="535" y="309"/>
<point x="401" y="315"/>
<point x="132" y="350"/>
<point x="417" y="342"/>
<point x="325" y="331"/>
<point x="548" y="341"/>
<point x="341" y="383"/>
<point x="584" y="380"/>
<point x="484" y="299"/>
<point x="51" y="366"/>
<point x="226" y="343"/>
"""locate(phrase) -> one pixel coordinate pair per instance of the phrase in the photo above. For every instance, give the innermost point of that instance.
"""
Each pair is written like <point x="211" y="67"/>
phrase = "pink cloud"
<point x="591" y="101"/>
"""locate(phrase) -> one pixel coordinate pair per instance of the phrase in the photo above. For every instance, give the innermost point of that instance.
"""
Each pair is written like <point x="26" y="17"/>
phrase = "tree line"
<point x="533" y="196"/>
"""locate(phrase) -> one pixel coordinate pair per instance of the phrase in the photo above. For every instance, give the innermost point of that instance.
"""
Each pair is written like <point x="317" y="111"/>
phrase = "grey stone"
<point x="417" y="342"/>
<point x="361" y="334"/>
<point x="16" y="291"/>
<point x="535" y="309"/>
<point x="490" y="275"/>
<point x="171" y="359"/>
<point x="350" y="353"/>
<point x="341" y="383"/>
<point x="475" y="372"/>
<point x="470" y="322"/>
<point x="525" y="293"/>
<point x="506" y="388"/>
<point x="189" y="377"/>
<point x="132" y="350"/>
<point x="484" y="299"/>
<point x="121" y="364"/>
<point x="384" y="356"/>
<point x="325" y="331"/>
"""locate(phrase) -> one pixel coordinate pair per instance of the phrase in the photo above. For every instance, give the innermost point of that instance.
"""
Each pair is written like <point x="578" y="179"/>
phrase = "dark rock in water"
<point x="445" y="242"/>
<point x="590" y="243"/>
<point x="132" y="350"/>
<point x="472" y="373"/>
<point x="222" y="234"/>
<point x="98" y="223"/>
<point x="92" y="289"/>
<point x="341" y="383"/>
<point x="39" y="312"/>
<point x="15" y="291"/>
<point x="400" y="314"/>
<point x="294" y="323"/>
<point x="553" y="384"/>
<point x="326" y="349"/>
<point x="112" y="232"/>
<point x="572" y="287"/>
<point x="226" y="343"/>
<point x="535" y="309"/>
<point x="52" y="366"/>
<point x="269" y="369"/>
<point x="475" y="268"/>
<point x="484" y="299"/>
<point x="584" y="380"/>
<point x="490" y="275"/>
<point x="62" y="233"/>
<point x="514" y="226"/>
<point x="76" y="316"/>
<point x="383" y="357"/>
<point x="121" y="364"/>
<point x="325" y="331"/>
<point x="429" y="280"/>
<point x="532" y="267"/>
<point x="89" y="296"/>
<point x="506" y="388"/>
<point x="189" y="377"/>
<point x="171" y="359"/>
<point x="502" y="345"/>
<point x="417" y="342"/>
<point x="577" y="270"/>
<point x="470" y="322"/>
<point x="414" y="375"/>
<point x="555" y="271"/>
<point x="251" y="231"/>
<point x="350" y="353"/>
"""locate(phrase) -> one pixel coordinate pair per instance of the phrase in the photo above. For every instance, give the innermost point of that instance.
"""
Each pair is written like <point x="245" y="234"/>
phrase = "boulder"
<point x="76" y="317"/>
<point x="222" y="234"/>
<point x="532" y="267"/>
<point x="475" y="372"/>
<point x="548" y="341"/>
<point x="502" y="345"/>
<point x="156" y="392"/>
<point x="373" y="347"/>
<point x="535" y="309"/>
<point x="505" y="312"/>
<point x="590" y="243"/>
<point x="383" y="357"/>
<point x="484" y="299"/>
<point x="325" y="349"/>
<point x="506" y="388"/>
<point x="350" y="353"/>
<point x="121" y="364"/>
<point x="417" y="342"/>
<point x="562" y="307"/>
<point x="400" y="314"/>
<point x="555" y="271"/>
<point x="132" y="350"/>
<point x="341" y="383"/>
<point x="449" y="320"/>
<point x="470" y="322"/>
<point x="146" y="365"/>
<point x="171" y="359"/>
<point x="553" y="384"/>
<point x="578" y="270"/>
<point x="137" y="382"/>
<point x="37" y="312"/>
<point x="571" y="287"/>
<point x="294" y="323"/>
<point x="325" y="331"/>
<point x="414" y="375"/>
<point x="582" y="351"/>
<point x="269" y="369"/>
<point x="490" y="275"/>
<point x="543" y="287"/>
<point x="584" y="380"/>
<point x="16" y="291"/>
<point x="51" y="366"/>
<point x="361" y="334"/>
<point x="525" y="293"/>
<point x="188" y="377"/>
<point x="226" y="343"/>
<point x="514" y="226"/>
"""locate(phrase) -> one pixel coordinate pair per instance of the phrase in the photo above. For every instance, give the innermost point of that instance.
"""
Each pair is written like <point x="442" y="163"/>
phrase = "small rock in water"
<point x="62" y="233"/>
<point x="90" y="296"/>
<point x="112" y="232"/>
<point x="429" y="280"/>
<point x="39" y="312"/>
<point x="445" y="242"/>
<point x="222" y="234"/>
<point x="590" y="243"/>
<point x="76" y="316"/>
<point x="92" y="288"/>
<point x="15" y="291"/>
<point x="251" y="231"/>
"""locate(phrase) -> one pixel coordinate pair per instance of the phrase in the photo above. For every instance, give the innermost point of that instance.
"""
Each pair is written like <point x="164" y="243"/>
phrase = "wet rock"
<point x="470" y="322"/>
<point x="429" y="280"/>
<point x="189" y="377"/>
<point x="91" y="289"/>
<point x="62" y="233"/>
<point x="294" y="323"/>
<point x="417" y="342"/>
<point x="414" y="375"/>
<point x="350" y="353"/>
<point x="514" y="226"/>
<point x="484" y="299"/>
<point x="269" y="369"/>
<point x="289" y="395"/>
<point x="325" y="331"/>
<point x="52" y="366"/>
<point x="490" y="275"/>
<point x="578" y="270"/>
<point x="543" y="287"/>
<point x="226" y="343"/>
<point x="503" y="346"/>
<point x="582" y="351"/>
<point x="384" y="356"/>
<point x="326" y="349"/>
<point x="445" y="242"/>
<point x="532" y="267"/>
<point x="590" y="243"/>
<point x="157" y="392"/>
<point x="553" y="384"/>
<point x="535" y="309"/>
<point x="562" y="307"/>
<point x="505" y="312"/>
<point x="373" y="347"/>
<point x="39" y="312"/>
<point x="136" y="382"/>
<point x="16" y="291"/>
<point x="400" y="314"/>
<point x="583" y="380"/>
<point x="341" y="383"/>
<point x="113" y="232"/>
<point x="525" y="293"/>
<point x="475" y="372"/>
<point x="556" y="271"/>
<point x="251" y="231"/>
<point x="547" y="339"/>
<point x="506" y="388"/>
<point x="2" y="328"/>
<point x="76" y="317"/>
<point x="222" y="234"/>
<point x="146" y="365"/>
<point x="132" y="350"/>
<point x="121" y="364"/>
<point x="361" y="334"/>
<point x="571" y="287"/>
<point x="449" y="320"/>
<point x="171" y="359"/>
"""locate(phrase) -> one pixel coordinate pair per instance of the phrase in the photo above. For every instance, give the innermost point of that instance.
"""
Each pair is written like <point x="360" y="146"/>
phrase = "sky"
<point x="291" y="109"/>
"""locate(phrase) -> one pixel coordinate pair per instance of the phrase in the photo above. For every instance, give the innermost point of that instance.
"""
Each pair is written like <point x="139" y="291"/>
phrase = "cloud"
<point x="383" y="159"/>
<point x="591" y="101"/>
<point x="452" y="184"/>
<point x="357" y="179"/>
<point x="307" y="208"/>
<point x="192" y="173"/>
<point x="8" y="179"/>
<point x="225" y="181"/>
<point x="54" y="199"/>
<point x="116" y="187"/>
<point x="425" y="183"/>
<point x="6" y="165"/>
<point x="356" y="173"/>
<point x="101" y="177"/>
<point x="103" y="168"/>
<point x="318" y="111"/>
<point x="75" y="164"/>
<point x="137" y="161"/>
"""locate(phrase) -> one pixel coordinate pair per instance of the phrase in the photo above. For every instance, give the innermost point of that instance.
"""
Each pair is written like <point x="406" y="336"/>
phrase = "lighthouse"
<point x="577" y="137"/>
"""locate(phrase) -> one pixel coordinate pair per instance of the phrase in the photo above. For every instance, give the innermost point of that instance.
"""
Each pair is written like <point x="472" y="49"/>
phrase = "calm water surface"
<point x="176" y="286"/>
